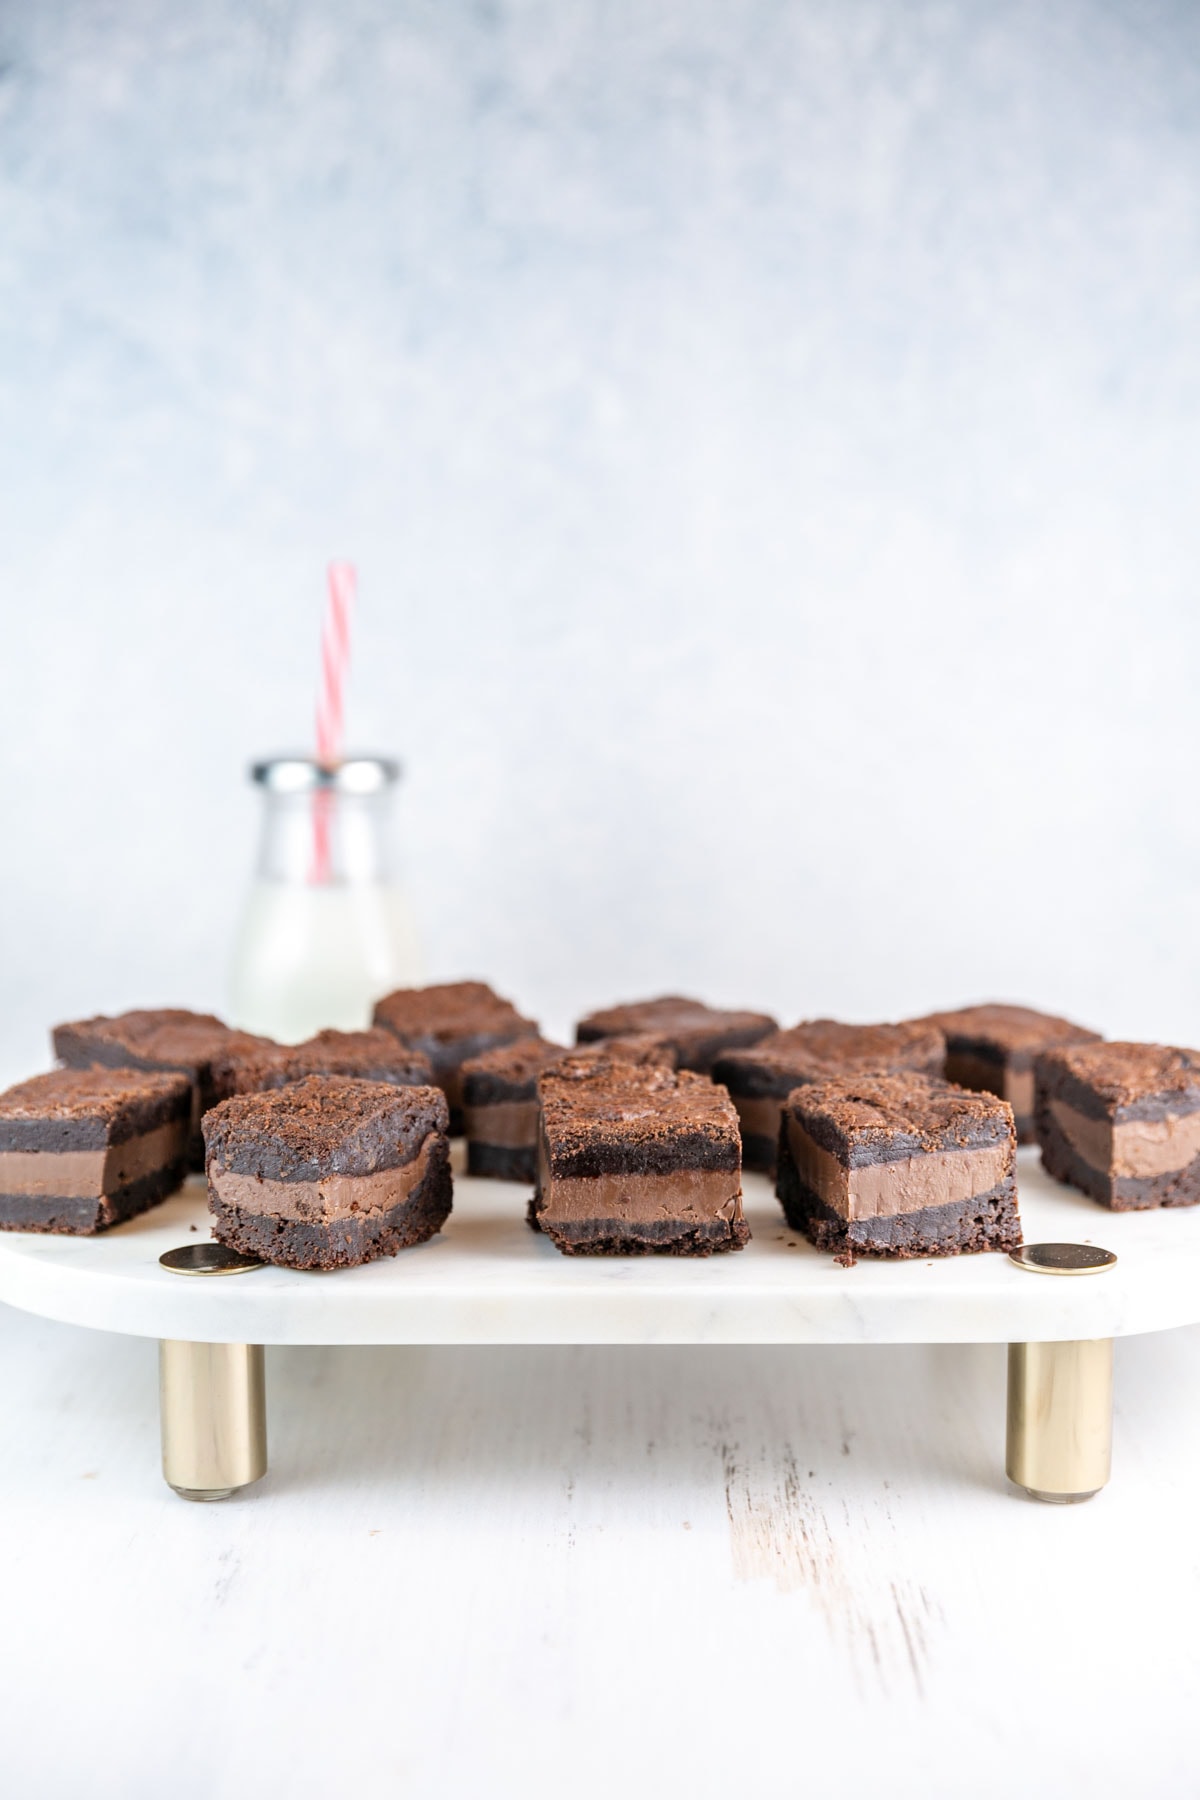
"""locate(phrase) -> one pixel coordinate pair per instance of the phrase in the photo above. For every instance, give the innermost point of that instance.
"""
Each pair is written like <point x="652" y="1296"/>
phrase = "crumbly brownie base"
<point x="984" y="1222"/>
<point x="1121" y="1193"/>
<point x="342" y="1243"/>
<point x="84" y="1217"/>
<point x="500" y="1163"/>
<point x="660" y="1237"/>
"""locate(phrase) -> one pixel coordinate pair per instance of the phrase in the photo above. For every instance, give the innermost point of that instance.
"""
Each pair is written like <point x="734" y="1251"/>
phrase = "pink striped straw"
<point x="335" y="658"/>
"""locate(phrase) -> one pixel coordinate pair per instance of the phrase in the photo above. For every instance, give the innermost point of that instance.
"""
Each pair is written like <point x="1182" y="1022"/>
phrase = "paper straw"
<point x="335" y="657"/>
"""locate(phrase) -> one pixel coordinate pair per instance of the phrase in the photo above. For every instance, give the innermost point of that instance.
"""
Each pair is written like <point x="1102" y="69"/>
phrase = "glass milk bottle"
<point x="326" y="930"/>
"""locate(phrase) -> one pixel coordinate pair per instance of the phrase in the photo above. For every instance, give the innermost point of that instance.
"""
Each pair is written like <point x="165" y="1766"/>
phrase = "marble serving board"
<point x="488" y="1279"/>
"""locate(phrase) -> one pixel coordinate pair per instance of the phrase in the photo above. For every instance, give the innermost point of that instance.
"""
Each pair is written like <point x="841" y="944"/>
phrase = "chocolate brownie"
<point x="992" y="1049"/>
<point x="324" y="1173"/>
<point x="760" y="1079"/>
<point x="374" y="1055"/>
<point x="450" y="1023"/>
<point x="500" y="1108"/>
<point x="500" y="1101"/>
<point x="1121" y="1122"/>
<point x="898" y="1165"/>
<point x="83" y="1149"/>
<point x="160" y="1038"/>
<point x="636" y="1159"/>
<point x="698" y="1032"/>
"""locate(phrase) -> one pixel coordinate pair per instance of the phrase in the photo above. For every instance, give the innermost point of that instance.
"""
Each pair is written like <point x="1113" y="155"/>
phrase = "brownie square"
<point x="760" y="1079"/>
<point x="500" y="1108"/>
<point x="633" y="1160"/>
<point x="500" y="1098"/>
<point x="325" y="1173"/>
<point x="899" y="1165"/>
<point x="698" y="1032"/>
<point x="1121" y="1122"/>
<point x="993" y="1048"/>
<point x="83" y="1149"/>
<point x="374" y="1055"/>
<point x="159" y="1038"/>
<point x="450" y="1023"/>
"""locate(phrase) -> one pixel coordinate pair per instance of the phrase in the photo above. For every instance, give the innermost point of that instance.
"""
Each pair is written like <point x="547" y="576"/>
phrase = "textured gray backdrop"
<point x="767" y="433"/>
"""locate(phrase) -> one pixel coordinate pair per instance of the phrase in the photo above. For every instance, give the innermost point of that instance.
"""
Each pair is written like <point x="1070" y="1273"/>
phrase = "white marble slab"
<point x="487" y="1279"/>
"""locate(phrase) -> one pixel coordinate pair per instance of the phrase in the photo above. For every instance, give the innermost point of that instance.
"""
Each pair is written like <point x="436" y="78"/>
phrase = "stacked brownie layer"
<point x="449" y="1024"/>
<point x="165" y="1038"/>
<point x="899" y="1166"/>
<point x="760" y="1078"/>
<point x="83" y="1149"/>
<point x="1121" y="1122"/>
<point x="993" y="1049"/>
<point x="697" y="1032"/>
<point x="636" y="1160"/>
<point x="324" y="1174"/>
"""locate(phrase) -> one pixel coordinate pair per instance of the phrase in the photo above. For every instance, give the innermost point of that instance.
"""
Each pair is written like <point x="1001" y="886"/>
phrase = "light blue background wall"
<point x="767" y="434"/>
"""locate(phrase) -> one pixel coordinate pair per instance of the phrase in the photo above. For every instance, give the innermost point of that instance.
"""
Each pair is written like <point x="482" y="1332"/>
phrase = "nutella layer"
<point x="898" y="1165"/>
<point x="698" y="1033"/>
<point x="1122" y="1122"/>
<point x="449" y="1024"/>
<point x="84" y="1149"/>
<point x="87" y="1174"/>
<point x="759" y="1079"/>
<point x="326" y="1173"/>
<point x="903" y="1184"/>
<point x="636" y="1159"/>
<point x="333" y="1197"/>
<point x="992" y="1049"/>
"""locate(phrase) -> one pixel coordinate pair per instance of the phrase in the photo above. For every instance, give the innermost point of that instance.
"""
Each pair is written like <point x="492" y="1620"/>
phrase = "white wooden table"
<point x="519" y="1572"/>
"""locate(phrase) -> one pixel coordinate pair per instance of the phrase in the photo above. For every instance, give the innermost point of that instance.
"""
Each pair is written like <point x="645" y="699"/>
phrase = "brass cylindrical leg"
<point x="212" y="1400"/>
<point x="1060" y="1418"/>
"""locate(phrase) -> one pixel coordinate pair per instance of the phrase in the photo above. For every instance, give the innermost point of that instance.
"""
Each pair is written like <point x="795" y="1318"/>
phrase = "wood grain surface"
<point x="539" y="1572"/>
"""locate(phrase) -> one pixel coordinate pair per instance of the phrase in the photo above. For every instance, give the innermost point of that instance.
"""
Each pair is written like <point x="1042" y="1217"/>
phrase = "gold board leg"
<point x="212" y="1401"/>
<point x="1060" y="1418"/>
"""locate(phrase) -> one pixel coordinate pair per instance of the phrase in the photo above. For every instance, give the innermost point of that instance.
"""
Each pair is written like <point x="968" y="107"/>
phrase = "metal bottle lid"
<point x="304" y="774"/>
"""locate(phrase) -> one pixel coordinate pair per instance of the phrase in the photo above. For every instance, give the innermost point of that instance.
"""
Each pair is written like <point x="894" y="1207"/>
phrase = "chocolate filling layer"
<point x="512" y="1124"/>
<point x="906" y="1185"/>
<point x="86" y="1174"/>
<point x="1132" y="1147"/>
<point x="319" y="1202"/>
<point x="691" y="1195"/>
